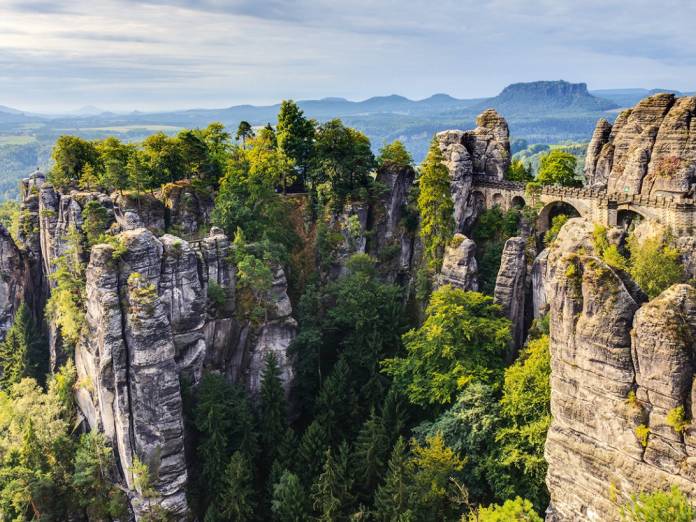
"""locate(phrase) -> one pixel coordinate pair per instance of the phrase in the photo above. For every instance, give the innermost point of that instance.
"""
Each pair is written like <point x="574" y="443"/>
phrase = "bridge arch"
<point x="518" y="202"/>
<point x="553" y="209"/>
<point x="627" y="217"/>
<point x="498" y="200"/>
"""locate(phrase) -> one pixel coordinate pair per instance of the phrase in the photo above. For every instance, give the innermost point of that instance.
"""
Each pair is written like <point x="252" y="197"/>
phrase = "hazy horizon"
<point x="156" y="55"/>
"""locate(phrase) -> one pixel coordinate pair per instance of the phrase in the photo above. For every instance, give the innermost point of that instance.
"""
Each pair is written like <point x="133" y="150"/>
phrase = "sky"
<point x="175" y="54"/>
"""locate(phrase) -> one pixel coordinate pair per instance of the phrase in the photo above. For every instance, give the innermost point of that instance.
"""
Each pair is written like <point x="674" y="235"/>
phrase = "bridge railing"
<point x="619" y="198"/>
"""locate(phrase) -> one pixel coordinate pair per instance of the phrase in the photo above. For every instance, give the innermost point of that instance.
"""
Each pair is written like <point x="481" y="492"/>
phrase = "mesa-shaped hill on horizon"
<point x="544" y="112"/>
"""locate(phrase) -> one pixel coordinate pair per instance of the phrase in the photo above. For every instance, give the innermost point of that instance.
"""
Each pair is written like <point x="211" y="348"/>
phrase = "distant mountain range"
<point x="538" y="112"/>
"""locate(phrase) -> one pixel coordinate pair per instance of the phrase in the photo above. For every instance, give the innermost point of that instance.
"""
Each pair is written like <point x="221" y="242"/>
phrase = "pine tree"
<point x="289" y="502"/>
<point x="22" y="353"/>
<point x="296" y="136"/>
<point x="394" y="415"/>
<point x="311" y="451"/>
<point x="331" y="495"/>
<point x="236" y="499"/>
<point x="392" y="497"/>
<point x="335" y="403"/>
<point x="273" y="411"/>
<point x="370" y="454"/>
<point x="435" y="206"/>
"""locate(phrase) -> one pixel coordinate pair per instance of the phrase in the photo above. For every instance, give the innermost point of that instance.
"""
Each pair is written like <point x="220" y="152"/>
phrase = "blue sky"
<point x="172" y="54"/>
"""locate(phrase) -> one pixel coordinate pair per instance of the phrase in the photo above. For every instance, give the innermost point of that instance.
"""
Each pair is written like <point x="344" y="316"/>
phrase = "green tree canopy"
<point x="519" y="510"/>
<point x="289" y="503"/>
<point x="70" y="156"/>
<point x="558" y="168"/>
<point x="23" y="352"/>
<point x="296" y="137"/>
<point x="660" y="506"/>
<point x="463" y="340"/>
<point x="394" y="154"/>
<point x="244" y="132"/>
<point x="435" y="206"/>
<point x="525" y="417"/>
<point x="518" y="171"/>
<point x="654" y="264"/>
<point x="237" y="498"/>
<point x="343" y="158"/>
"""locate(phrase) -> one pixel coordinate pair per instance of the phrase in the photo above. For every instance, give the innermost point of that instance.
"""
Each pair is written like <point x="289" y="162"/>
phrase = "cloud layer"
<point x="163" y="54"/>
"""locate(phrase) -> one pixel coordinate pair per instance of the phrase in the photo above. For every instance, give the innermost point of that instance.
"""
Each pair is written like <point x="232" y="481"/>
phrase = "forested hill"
<point x="539" y="112"/>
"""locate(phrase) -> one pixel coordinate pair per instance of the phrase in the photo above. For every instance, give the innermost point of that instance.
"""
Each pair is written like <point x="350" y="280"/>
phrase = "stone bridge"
<point x="597" y="205"/>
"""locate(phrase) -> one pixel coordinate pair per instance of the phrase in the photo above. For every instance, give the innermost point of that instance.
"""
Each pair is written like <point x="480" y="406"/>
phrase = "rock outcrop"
<point x="12" y="282"/>
<point x="459" y="266"/>
<point x="484" y="151"/>
<point x="511" y="288"/>
<point x="127" y="365"/>
<point x="650" y="149"/>
<point x="188" y="211"/>
<point x="160" y="310"/>
<point x="393" y="230"/>
<point x="539" y="302"/>
<point x="617" y="370"/>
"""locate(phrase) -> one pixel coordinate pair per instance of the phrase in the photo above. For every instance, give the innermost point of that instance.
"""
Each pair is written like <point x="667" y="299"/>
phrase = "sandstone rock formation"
<point x="510" y="286"/>
<point x="650" y="149"/>
<point x="163" y="310"/>
<point x="188" y="211"/>
<point x="393" y="234"/>
<point x="126" y="364"/>
<point x="618" y="369"/>
<point x="459" y="266"/>
<point x="12" y="282"/>
<point x="484" y="151"/>
<point x="539" y="302"/>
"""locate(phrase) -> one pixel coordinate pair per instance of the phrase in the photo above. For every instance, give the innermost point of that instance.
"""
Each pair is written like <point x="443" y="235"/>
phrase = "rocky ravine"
<point x="618" y="368"/>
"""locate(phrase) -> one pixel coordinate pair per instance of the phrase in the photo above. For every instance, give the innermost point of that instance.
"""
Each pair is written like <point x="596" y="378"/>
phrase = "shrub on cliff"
<point x="519" y="510"/>
<point x="654" y="264"/>
<point x="660" y="506"/>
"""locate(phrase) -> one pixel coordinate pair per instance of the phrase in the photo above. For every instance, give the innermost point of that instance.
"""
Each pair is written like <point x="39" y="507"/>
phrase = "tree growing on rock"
<point x="394" y="154"/>
<point x="296" y="137"/>
<point x="435" y="206"/>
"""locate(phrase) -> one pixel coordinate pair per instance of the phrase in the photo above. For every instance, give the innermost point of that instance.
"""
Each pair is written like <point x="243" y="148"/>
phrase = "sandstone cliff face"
<point x="511" y="287"/>
<point x="618" y="368"/>
<point x="127" y="367"/>
<point x="12" y="280"/>
<point x="459" y="266"/>
<point x="150" y="323"/>
<point x="484" y="151"/>
<point x="163" y="311"/>
<point x="391" y="241"/>
<point x="188" y="211"/>
<point x="650" y="149"/>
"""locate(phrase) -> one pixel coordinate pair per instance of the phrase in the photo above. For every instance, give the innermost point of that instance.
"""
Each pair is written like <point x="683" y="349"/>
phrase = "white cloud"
<point x="157" y="54"/>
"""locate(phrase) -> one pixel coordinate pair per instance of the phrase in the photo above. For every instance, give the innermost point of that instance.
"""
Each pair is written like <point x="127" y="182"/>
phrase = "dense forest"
<point x="407" y="403"/>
